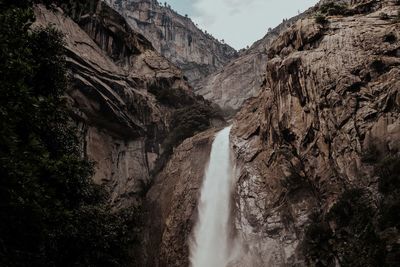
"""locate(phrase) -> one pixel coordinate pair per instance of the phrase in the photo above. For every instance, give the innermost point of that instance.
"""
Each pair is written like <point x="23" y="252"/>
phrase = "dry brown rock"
<point x="172" y="203"/>
<point x="111" y="67"/>
<point x="176" y="37"/>
<point x="331" y="93"/>
<point x="243" y="77"/>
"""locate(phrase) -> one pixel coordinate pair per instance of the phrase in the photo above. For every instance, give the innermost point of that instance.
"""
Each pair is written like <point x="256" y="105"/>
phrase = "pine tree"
<point x="52" y="214"/>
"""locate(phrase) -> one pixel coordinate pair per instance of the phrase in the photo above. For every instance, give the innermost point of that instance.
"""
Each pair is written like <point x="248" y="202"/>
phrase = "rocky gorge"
<point x="317" y="104"/>
<point x="324" y="104"/>
<point x="113" y="68"/>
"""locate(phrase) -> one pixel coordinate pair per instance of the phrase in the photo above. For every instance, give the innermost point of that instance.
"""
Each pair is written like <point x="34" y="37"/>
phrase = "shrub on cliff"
<point x="186" y="122"/>
<point x="52" y="214"/>
<point x="320" y="19"/>
<point x="349" y="234"/>
<point x="332" y="9"/>
<point x="384" y="16"/>
<point x="357" y="231"/>
<point x="192" y="114"/>
<point x="171" y="97"/>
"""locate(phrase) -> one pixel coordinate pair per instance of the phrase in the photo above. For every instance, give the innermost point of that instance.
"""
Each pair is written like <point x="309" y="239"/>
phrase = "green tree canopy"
<point x="52" y="214"/>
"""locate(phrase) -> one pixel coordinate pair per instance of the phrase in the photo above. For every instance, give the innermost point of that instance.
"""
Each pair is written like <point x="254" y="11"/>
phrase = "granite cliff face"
<point x="242" y="77"/>
<point x="172" y="203"/>
<point x="112" y="70"/>
<point x="331" y="93"/>
<point x="176" y="37"/>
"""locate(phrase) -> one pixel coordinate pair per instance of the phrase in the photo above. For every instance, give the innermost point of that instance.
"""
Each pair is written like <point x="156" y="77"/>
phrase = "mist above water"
<point x="211" y="245"/>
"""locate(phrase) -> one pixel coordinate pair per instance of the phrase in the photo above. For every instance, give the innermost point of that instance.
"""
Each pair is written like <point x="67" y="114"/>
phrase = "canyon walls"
<point x="323" y="94"/>
<point x="330" y="96"/>
<point x="176" y="37"/>
<point x="172" y="203"/>
<point x="123" y="95"/>
<point x="243" y="77"/>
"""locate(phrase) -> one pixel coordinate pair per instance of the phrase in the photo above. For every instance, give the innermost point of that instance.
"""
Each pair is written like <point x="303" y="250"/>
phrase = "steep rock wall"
<point x="172" y="203"/>
<point x="176" y="37"/>
<point x="243" y="77"/>
<point x="331" y="93"/>
<point x="112" y="67"/>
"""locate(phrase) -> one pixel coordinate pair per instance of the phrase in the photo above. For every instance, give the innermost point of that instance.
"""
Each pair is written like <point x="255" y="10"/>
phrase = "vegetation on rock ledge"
<point x="359" y="230"/>
<point x="192" y="114"/>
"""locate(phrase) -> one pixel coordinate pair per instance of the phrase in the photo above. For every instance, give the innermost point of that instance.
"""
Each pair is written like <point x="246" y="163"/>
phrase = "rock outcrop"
<point x="331" y="93"/>
<point x="176" y="37"/>
<point x="112" y="69"/>
<point x="243" y="77"/>
<point x="172" y="203"/>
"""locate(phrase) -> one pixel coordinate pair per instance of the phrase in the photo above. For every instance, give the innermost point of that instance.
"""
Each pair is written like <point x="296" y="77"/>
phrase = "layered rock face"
<point x="243" y="77"/>
<point x="172" y="203"/>
<point x="176" y="37"/>
<point x="112" y="67"/>
<point x="331" y="92"/>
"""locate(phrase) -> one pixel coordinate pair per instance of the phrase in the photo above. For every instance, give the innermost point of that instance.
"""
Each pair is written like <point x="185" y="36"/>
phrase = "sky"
<point x="239" y="22"/>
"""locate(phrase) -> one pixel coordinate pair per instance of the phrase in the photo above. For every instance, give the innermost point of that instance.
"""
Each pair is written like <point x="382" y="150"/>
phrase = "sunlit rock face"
<point x="331" y="92"/>
<point x="176" y="37"/>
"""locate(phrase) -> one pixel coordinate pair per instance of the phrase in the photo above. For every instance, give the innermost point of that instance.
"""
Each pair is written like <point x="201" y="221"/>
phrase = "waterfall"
<point x="211" y="233"/>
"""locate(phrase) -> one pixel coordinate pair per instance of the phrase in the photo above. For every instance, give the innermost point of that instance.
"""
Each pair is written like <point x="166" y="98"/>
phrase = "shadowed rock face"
<point x="111" y="69"/>
<point x="172" y="203"/>
<point x="176" y="37"/>
<point x="331" y="92"/>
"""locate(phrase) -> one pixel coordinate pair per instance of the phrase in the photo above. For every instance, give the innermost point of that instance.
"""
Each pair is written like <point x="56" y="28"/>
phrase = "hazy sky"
<point x="239" y="22"/>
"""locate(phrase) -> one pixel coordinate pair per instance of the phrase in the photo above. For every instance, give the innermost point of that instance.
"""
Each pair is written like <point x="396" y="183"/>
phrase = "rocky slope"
<point x="176" y="37"/>
<point x="243" y="77"/>
<point x="112" y="71"/>
<point x="172" y="203"/>
<point x="331" y="93"/>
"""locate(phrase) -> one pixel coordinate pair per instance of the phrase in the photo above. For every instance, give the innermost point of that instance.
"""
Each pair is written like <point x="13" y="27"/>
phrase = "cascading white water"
<point x="211" y="234"/>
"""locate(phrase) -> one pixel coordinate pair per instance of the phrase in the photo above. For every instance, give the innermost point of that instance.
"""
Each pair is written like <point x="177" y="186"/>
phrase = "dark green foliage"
<point x="293" y="182"/>
<point x="51" y="212"/>
<point x="357" y="231"/>
<point x="333" y="8"/>
<point x="389" y="186"/>
<point x="172" y="97"/>
<point x="192" y="114"/>
<point x="384" y="16"/>
<point x="345" y="234"/>
<point x="288" y="135"/>
<point x="390" y="38"/>
<point x="186" y="122"/>
<point x="379" y="66"/>
<point x="388" y="170"/>
<point x="316" y="243"/>
<point x="320" y="19"/>
<point x="355" y="241"/>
